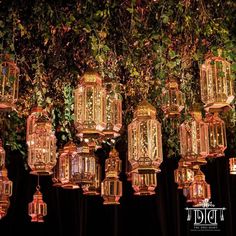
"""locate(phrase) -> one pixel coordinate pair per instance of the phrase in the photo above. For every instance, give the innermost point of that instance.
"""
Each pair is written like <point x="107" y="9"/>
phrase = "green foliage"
<point x="138" y="43"/>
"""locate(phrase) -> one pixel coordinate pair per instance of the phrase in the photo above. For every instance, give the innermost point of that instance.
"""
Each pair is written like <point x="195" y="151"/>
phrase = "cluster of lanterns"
<point x="98" y="116"/>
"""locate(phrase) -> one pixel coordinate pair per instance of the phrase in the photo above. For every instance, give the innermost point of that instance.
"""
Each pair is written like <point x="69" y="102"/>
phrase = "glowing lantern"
<point x="217" y="135"/>
<point x="93" y="187"/>
<point x="194" y="142"/>
<point x="37" y="208"/>
<point x="83" y="165"/>
<point x="111" y="189"/>
<point x="216" y="83"/>
<point x="145" y="140"/>
<point x="42" y="147"/>
<point x="4" y="205"/>
<point x="183" y="175"/>
<point x="232" y="165"/>
<point x="172" y="99"/>
<point x="89" y="105"/>
<point x="144" y="183"/>
<point x="65" y="159"/>
<point x="113" y="111"/>
<point x="5" y="183"/>
<point x="199" y="190"/>
<point x="32" y="118"/>
<point x="2" y="155"/>
<point x="9" y="82"/>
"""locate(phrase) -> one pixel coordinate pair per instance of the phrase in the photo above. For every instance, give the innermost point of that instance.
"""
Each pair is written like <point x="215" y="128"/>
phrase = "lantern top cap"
<point x="70" y="147"/>
<point x="37" y="195"/>
<point x="199" y="175"/>
<point x="145" y="109"/>
<point x="3" y="172"/>
<point x="113" y="153"/>
<point x="83" y="148"/>
<point x="91" y="76"/>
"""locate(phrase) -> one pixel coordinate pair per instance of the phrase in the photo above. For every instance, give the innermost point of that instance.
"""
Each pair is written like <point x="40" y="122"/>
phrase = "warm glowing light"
<point x="194" y="142"/>
<point x="9" y="82"/>
<point x="216" y="83"/>
<point x="89" y="105"/>
<point x="111" y="188"/>
<point x="37" y="208"/>
<point x="217" y="135"/>
<point x="232" y="165"/>
<point x="145" y="140"/>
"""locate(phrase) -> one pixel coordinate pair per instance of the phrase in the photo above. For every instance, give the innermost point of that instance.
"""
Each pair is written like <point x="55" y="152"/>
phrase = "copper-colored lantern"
<point x="172" y="99"/>
<point x="2" y="155"/>
<point x="232" y="165"/>
<point x="194" y="142"/>
<point x="111" y="189"/>
<point x="145" y="140"/>
<point x="89" y="105"/>
<point x="144" y="183"/>
<point x="199" y="189"/>
<point x="113" y="111"/>
<point x="42" y="147"/>
<point x="65" y="159"/>
<point x="183" y="175"/>
<point x="4" y="205"/>
<point x="37" y="209"/>
<point x="9" y="82"/>
<point x="83" y="165"/>
<point x="93" y="187"/>
<point x="217" y="135"/>
<point x="32" y="118"/>
<point x="216" y="83"/>
<point x="5" y="183"/>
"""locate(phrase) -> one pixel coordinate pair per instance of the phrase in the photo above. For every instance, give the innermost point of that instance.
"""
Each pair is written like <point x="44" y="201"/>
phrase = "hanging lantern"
<point x="144" y="183"/>
<point x="113" y="111"/>
<point x="232" y="166"/>
<point x="83" y="165"/>
<point x="5" y="183"/>
<point x="183" y="175"/>
<point x="199" y="190"/>
<point x="144" y="139"/>
<point x="37" y="208"/>
<point x="9" y="82"/>
<point x="93" y="188"/>
<point x="216" y="82"/>
<point x="172" y="99"/>
<point x="42" y="147"/>
<point x="36" y="112"/>
<point x="111" y="189"/>
<point x="89" y="105"/>
<point x="217" y="135"/>
<point x="65" y="159"/>
<point x="4" y="205"/>
<point x="2" y="155"/>
<point x="194" y="142"/>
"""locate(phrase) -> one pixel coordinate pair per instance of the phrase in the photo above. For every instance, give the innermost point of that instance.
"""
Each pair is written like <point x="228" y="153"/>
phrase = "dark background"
<point x="71" y="213"/>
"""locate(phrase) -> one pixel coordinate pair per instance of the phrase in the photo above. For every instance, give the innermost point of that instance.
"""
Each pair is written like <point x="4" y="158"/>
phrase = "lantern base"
<point x="57" y="184"/>
<point x="41" y="172"/>
<point x="110" y="134"/>
<point x="217" y="107"/>
<point x="144" y="192"/>
<point x="111" y="200"/>
<point x="233" y="172"/>
<point x="70" y="186"/>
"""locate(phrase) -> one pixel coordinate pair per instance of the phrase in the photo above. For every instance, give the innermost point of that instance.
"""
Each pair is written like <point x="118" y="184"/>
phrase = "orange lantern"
<point x="4" y="205"/>
<point x="232" y="165"/>
<point x="9" y="82"/>
<point x="111" y="188"/>
<point x="216" y="83"/>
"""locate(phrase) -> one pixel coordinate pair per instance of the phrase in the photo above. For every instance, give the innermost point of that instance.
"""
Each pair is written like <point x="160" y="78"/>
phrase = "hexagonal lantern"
<point x="145" y="140"/>
<point x="9" y="82"/>
<point x="111" y="187"/>
<point x="89" y="102"/>
<point x="194" y="142"/>
<point x="217" y="135"/>
<point x="42" y="147"/>
<point x="172" y="99"/>
<point x="199" y="189"/>
<point x="37" y="209"/>
<point x="216" y="83"/>
<point x="113" y="111"/>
